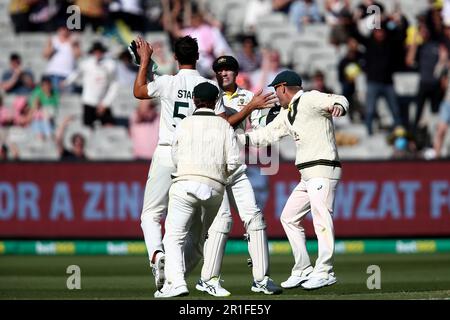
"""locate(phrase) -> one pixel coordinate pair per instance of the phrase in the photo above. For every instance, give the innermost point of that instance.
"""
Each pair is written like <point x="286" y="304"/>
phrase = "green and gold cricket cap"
<point x="206" y="91"/>
<point x="288" y="78"/>
<point x="227" y="62"/>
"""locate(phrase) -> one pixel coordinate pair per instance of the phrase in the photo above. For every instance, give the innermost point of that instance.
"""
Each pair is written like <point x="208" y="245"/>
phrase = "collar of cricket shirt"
<point x="295" y="98"/>
<point x="193" y="71"/>
<point x="230" y="95"/>
<point x="204" y="112"/>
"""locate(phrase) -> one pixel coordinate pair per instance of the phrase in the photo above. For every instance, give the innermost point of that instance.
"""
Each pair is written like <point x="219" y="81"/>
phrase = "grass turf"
<point x="415" y="276"/>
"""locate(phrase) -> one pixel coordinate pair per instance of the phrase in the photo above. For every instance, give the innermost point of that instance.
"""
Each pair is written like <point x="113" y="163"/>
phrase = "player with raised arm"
<point x="176" y="95"/>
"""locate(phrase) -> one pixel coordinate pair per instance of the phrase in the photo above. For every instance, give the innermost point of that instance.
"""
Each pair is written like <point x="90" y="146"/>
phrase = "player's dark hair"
<point x="75" y="136"/>
<point x="186" y="50"/>
<point x="202" y="103"/>
<point x="15" y="57"/>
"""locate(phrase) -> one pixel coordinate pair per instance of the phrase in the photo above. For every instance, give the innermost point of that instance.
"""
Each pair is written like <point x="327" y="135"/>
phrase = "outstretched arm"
<point x="60" y="133"/>
<point x="264" y="136"/>
<point x="259" y="101"/>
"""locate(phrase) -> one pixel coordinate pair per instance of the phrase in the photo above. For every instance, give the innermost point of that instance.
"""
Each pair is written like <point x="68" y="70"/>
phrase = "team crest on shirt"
<point x="241" y="101"/>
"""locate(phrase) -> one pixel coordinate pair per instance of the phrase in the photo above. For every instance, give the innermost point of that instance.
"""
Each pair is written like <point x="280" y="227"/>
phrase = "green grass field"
<point x="414" y="276"/>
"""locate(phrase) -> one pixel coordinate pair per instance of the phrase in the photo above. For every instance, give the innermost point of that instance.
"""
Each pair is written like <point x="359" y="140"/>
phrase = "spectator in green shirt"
<point x="46" y="96"/>
<point x="44" y="105"/>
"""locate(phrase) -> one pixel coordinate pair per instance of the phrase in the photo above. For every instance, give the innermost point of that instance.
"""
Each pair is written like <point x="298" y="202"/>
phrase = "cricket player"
<point x="239" y="193"/>
<point x="308" y="118"/>
<point x="205" y="153"/>
<point x="175" y="93"/>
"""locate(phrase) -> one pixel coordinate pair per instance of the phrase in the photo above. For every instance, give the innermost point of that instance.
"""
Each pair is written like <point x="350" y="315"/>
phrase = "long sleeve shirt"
<point x="98" y="79"/>
<point x="205" y="149"/>
<point x="309" y="122"/>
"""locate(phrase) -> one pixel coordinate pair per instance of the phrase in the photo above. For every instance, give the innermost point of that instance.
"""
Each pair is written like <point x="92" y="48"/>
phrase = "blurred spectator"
<point x="6" y="118"/>
<point x="144" y="127"/>
<point x="442" y="127"/>
<point x="248" y="56"/>
<point x="22" y="112"/>
<point x="41" y="122"/>
<point x="93" y="13"/>
<point x="129" y="11"/>
<point x="254" y="10"/>
<point x="446" y="13"/>
<point x="338" y="15"/>
<point x="282" y="5"/>
<point x="427" y="57"/>
<point x="45" y="96"/>
<point x="380" y="64"/>
<point x="99" y="85"/>
<point x="174" y="12"/>
<point x="318" y="82"/>
<point x="303" y="12"/>
<point x="166" y="63"/>
<point x="434" y="20"/>
<point x="211" y="42"/>
<point x="153" y="15"/>
<point x="62" y="51"/>
<point x="403" y="144"/>
<point x="444" y="110"/>
<point x="446" y="36"/>
<point x="126" y="70"/>
<point x="19" y="11"/>
<point x="398" y="24"/>
<point x="243" y="81"/>
<point x="16" y="80"/>
<point x="349" y="68"/>
<point x="8" y="152"/>
<point x="78" y="142"/>
<point x="270" y="67"/>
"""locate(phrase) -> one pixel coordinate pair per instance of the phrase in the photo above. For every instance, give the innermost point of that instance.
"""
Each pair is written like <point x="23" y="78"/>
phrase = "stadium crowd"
<point x="371" y="41"/>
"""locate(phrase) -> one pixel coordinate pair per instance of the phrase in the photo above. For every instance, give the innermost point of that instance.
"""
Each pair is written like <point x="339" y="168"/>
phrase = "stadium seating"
<point x="305" y="51"/>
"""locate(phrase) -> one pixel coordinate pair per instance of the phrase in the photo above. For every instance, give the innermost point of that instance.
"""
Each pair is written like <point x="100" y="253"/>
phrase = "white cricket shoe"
<point x="316" y="282"/>
<point x="295" y="281"/>
<point x="158" y="270"/>
<point x="266" y="286"/>
<point x="213" y="287"/>
<point x="171" y="290"/>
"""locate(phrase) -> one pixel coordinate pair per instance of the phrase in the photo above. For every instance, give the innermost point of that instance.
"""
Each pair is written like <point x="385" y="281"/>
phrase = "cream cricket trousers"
<point x="239" y="194"/>
<point x="315" y="195"/>
<point x="156" y="198"/>
<point x="188" y="201"/>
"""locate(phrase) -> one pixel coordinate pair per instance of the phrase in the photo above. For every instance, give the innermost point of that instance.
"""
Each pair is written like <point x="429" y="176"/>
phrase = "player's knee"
<point x="222" y="225"/>
<point x="257" y="223"/>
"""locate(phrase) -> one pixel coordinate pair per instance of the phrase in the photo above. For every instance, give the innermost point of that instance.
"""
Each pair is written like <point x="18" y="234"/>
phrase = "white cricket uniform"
<point x="175" y="93"/>
<point x="310" y="123"/>
<point x="239" y="193"/>
<point x="205" y="153"/>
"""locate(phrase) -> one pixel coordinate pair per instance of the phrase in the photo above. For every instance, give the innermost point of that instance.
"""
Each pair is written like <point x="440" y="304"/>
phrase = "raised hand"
<point x="262" y="101"/>
<point x="144" y="50"/>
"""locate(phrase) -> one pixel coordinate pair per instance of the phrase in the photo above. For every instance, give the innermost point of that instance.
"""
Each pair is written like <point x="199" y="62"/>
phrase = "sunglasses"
<point x="279" y="85"/>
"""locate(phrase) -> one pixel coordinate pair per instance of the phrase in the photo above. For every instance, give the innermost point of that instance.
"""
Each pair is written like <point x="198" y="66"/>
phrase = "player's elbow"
<point x="139" y="93"/>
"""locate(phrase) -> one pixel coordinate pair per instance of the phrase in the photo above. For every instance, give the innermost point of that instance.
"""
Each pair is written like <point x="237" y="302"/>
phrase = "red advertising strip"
<point x="104" y="200"/>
